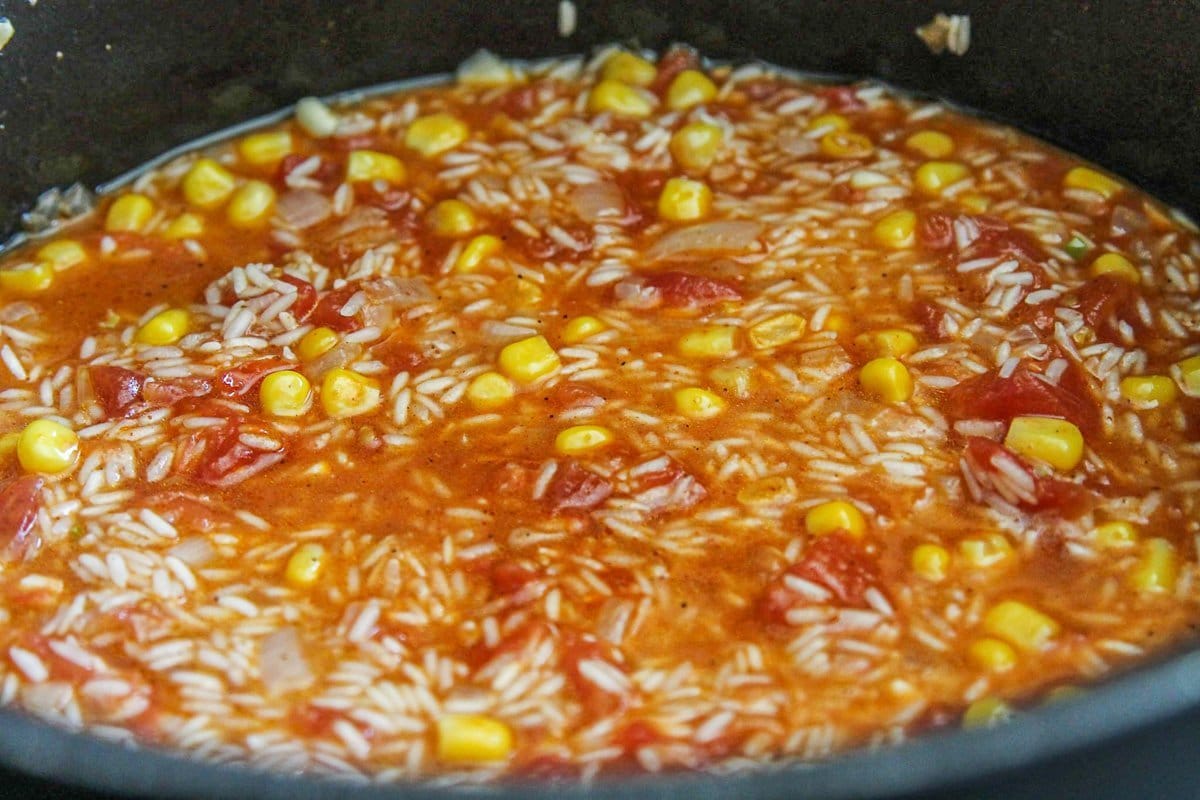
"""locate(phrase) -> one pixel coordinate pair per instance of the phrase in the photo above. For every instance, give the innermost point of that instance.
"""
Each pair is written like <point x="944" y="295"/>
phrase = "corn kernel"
<point x="266" y="148"/>
<point x="992" y="655"/>
<point x="629" y="68"/>
<point x="775" y="490"/>
<point x="1020" y="625"/>
<point x="696" y="403"/>
<point x="1092" y="181"/>
<point x="986" y="712"/>
<point x="618" y="98"/>
<point x="887" y="379"/>
<point x="1149" y="389"/>
<point x="62" y="253"/>
<point x="316" y="343"/>
<point x="251" y="205"/>
<point x="893" y="342"/>
<point x="846" y="144"/>
<point x="684" y="200"/>
<point x="829" y="123"/>
<point x="129" y="213"/>
<point x="737" y="381"/>
<point x="434" y="134"/>
<point x="472" y="739"/>
<point x="931" y="561"/>
<point x="897" y="230"/>
<point x="29" y="278"/>
<point x="477" y="251"/>
<point x="776" y="331"/>
<point x="165" y="327"/>
<point x="1189" y="374"/>
<point x="932" y="177"/>
<point x="581" y="329"/>
<point x="1116" y="265"/>
<point x="306" y="564"/>
<point x="345" y="393"/>
<point x="185" y="226"/>
<point x="519" y="292"/>
<point x="47" y="446"/>
<point x="690" y="88"/>
<point x="985" y="551"/>
<point x="931" y="144"/>
<point x="285" y="394"/>
<point x="580" y="439"/>
<point x="529" y="360"/>
<point x="1054" y="441"/>
<point x="710" y="341"/>
<point x="835" y="515"/>
<point x="695" y="146"/>
<point x="369" y="165"/>
<point x="836" y="321"/>
<point x="489" y="391"/>
<point x="208" y="184"/>
<point x="452" y="218"/>
<point x="1115" y="534"/>
<point x="1158" y="569"/>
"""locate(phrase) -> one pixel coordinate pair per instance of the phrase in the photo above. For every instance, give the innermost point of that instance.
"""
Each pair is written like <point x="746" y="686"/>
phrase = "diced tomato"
<point x="510" y="577"/>
<point x="936" y="231"/>
<point x="328" y="311"/>
<point x="1101" y="298"/>
<point x="677" y="59"/>
<point x="929" y="317"/>
<point x="669" y="489"/>
<point x="312" y="721"/>
<point x="636" y="735"/>
<point x="217" y="456"/>
<point x="166" y="393"/>
<point x="545" y="248"/>
<point x="19" y="500"/>
<point x="841" y="98"/>
<point x="998" y="238"/>
<point x="1049" y="493"/>
<point x="189" y="511"/>
<point x="520" y="102"/>
<point x="327" y="173"/>
<point x="569" y="395"/>
<point x="398" y="354"/>
<point x="836" y="562"/>
<point x="574" y="488"/>
<point x="686" y="290"/>
<point x="118" y="390"/>
<point x="306" y="297"/>
<point x="238" y="381"/>
<point x="989" y="396"/>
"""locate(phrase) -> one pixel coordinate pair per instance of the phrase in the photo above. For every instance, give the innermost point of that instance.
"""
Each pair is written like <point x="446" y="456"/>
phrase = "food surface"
<point x="595" y="416"/>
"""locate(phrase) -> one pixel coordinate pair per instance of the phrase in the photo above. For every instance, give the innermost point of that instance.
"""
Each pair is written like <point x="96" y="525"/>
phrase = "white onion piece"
<point x="361" y="217"/>
<point x="708" y="237"/>
<point x="15" y="312"/>
<point x="303" y="208"/>
<point x="339" y="356"/>
<point x="387" y="295"/>
<point x="281" y="663"/>
<point x="195" y="551"/>
<point x="599" y="201"/>
<point x="636" y="294"/>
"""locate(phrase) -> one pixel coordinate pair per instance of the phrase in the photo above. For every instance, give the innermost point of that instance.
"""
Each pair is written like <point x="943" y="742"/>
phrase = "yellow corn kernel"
<point x="690" y="88"/>
<point x="434" y="134"/>
<point x="931" y="144"/>
<point x="345" y="393"/>
<point x="1158" y="568"/>
<point x="1020" y="625"/>
<point x="266" y="148"/>
<point x="710" y="341"/>
<point x="29" y="278"/>
<point x="684" y="200"/>
<point x="62" y="253"/>
<point x="931" y="561"/>
<point x="987" y="712"/>
<point x="1054" y="441"/>
<point x="452" y="218"/>
<point x="251" y="205"/>
<point x="1115" y="534"/>
<point x="306" y="564"/>
<point x="846" y="144"/>
<point x="1149" y="388"/>
<point x="529" y="360"/>
<point x="370" y="165"/>
<point x="932" y="177"/>
<point x="1091" y="180"/>
<point x="832" y="122"/>
<point x="489" y="391"/>
<point x="477" y="251"/>
<point x="1116" y="265"/>
<point x="285" y="394"/>
<point x="129" y="213"/>
<point x="1189" y="374"/>
<point x="695" y="145"/>
<point x="887" y="379"/>
<point x="629" y="68"/>
<point x="992" y="655"/>
<point x="472" y="739"/>
<point x="208" y="184"/>
<point x="47" y="446"/>
<point x="836" y="321"/>
<point x="579" y="439"/>
<point x="737" y="381"/>
<point x="775" y="490"/>
<point x="316" y="343"/>
<point x="618" y="98"/>
<point x="897" y="230"/>
<point x="519" y="292"/>
<point x="776" y="331"/>
<point x="165" y="327"/>
<point x="185" y="226"/>
<point x="974" y="203"/>
<point x="835" y="515"/>
<point x="984" y="551"/>
<point x="696" y="403"/>
<point x="581" y="329"/>
<point x="893" y="342"/>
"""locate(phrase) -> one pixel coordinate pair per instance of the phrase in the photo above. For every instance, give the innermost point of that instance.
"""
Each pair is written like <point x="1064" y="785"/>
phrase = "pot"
<point x="89" y="90"/>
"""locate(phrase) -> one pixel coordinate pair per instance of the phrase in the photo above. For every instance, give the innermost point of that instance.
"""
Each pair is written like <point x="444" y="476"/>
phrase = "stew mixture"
<point x="595" y="416"/>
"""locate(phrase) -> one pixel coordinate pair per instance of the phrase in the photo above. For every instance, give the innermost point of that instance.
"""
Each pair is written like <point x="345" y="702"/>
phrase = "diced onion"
<point x="281" y="663"/>
<point x="597" y="202"/>
<point x="386" y="295"/>
<point x="15" y="312"/>
<point x="195" y="552"/>
<point x="636" y="294"/>
<point x="303" y="208"/>
<point x="708" y="237"/>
